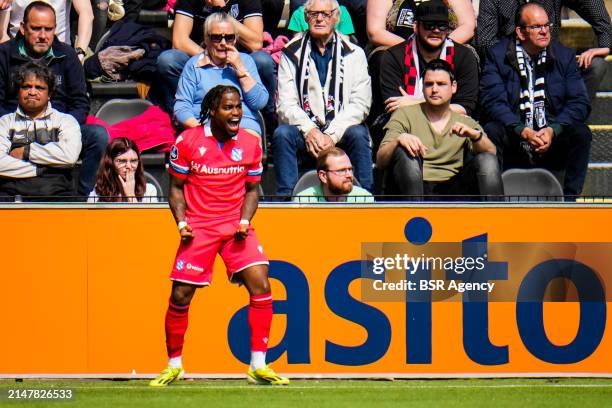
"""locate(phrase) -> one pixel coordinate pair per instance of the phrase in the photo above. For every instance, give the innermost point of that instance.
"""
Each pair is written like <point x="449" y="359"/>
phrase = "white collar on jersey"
<point x="208" y="131"/>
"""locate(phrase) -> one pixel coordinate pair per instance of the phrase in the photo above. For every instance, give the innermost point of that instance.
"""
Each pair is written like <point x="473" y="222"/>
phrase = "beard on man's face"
<point x="423" y="44"/>
<point x="342" y="188"/>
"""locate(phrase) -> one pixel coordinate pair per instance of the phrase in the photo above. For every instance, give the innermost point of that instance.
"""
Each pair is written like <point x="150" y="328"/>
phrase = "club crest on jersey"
<point x="180" y="265"/>
<point x="236" y="154"/>
<point x="202" y="150"/>
<point x="174" y="153"/>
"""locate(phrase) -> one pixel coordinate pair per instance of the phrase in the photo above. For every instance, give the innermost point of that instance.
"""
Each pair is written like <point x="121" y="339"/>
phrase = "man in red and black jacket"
<point x="402" y="64"/>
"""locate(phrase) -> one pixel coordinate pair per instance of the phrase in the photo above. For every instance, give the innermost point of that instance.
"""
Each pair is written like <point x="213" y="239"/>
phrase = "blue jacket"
<point x="197" y="79"/>
<point x="567" y="102"/>
<point x="71" y="90"/>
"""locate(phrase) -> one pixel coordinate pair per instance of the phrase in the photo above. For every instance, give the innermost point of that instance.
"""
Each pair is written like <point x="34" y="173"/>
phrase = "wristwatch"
<point x="181" y="225"/>
<point x="80" y="51"/>
<point x="478" y="138"/>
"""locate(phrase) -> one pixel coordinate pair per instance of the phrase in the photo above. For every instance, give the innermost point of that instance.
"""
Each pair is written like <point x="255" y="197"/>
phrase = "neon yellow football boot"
<point x="167" y="376"/>
<point x="266" y="376"/>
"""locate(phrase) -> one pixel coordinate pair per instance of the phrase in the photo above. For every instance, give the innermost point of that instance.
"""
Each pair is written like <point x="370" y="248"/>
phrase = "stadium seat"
<point x="311" y="179"/>
<point x="531" y="185"/>
<point x="101" y="41"/>
<point x="117" y="110"/>
<point x="149" y="178"/>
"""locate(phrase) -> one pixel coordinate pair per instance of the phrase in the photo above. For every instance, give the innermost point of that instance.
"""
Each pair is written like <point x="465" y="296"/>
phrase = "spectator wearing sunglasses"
<point x="391" y="22"/>
<point x="188" y="40"/>
<point x="220" y="64"/>
<point x="400" y="76"/>
<point x="336" y="183"/>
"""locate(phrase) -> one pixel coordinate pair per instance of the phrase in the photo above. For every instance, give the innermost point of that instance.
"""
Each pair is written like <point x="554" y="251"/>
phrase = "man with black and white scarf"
<point x="496" y="20"/>
<point x="324" y="96"/>
<point x="535" y="102"/>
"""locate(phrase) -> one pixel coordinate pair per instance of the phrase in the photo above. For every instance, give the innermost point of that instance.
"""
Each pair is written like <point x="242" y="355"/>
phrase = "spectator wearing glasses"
<point x="220" y="64"/>
<point x="400" y="78"/>
<point x="536" y="102"/>
<point x="335" y="173"/>
<point x="121" y="176"/>
<point x="298" y="22"/>
<point x="496" y="20"/>
<point x="320" y="62"/>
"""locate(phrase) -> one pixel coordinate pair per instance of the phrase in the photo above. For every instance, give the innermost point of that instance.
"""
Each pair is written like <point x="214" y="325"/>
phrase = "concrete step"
<point x="577" y="33"/>
<point x="601" y="109"/>
<point x="598" y="182"/>
<point x="601" y="148"/>
<point x="606" y="83"/>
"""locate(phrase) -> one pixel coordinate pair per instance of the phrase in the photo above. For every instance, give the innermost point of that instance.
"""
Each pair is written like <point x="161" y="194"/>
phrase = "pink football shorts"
<point x="195" y="259"/>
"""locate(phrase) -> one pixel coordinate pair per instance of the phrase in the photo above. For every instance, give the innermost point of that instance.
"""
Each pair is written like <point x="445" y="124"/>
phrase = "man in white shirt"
<point x="38" y="144"/>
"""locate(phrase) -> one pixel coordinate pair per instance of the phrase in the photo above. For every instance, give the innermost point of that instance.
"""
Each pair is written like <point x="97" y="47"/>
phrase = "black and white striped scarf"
<point x="334" y="101"/>
<point x="532" y="104"/>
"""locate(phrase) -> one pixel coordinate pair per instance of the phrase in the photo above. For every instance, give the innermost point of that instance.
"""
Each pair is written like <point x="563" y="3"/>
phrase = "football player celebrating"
<point x="215" y="171"/>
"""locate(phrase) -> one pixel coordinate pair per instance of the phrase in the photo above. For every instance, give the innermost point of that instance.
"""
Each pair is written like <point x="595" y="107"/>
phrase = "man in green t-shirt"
<point x="335" y="173"/>
<point x="424" y="146"/>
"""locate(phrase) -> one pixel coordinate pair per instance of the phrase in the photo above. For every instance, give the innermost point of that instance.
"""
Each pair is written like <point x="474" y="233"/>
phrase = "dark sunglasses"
<point x="217" y="38"/>
<point x="430" y="26"/>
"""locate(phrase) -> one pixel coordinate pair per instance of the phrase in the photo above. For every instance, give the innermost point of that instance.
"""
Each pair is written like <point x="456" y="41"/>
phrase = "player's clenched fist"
<point x="186" y="233"/>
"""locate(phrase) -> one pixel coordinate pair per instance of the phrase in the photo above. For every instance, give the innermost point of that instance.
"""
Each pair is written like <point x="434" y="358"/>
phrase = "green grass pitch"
<point x="497" y="393"/>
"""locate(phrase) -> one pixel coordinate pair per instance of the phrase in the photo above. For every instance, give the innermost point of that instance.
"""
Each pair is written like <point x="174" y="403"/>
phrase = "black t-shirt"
<point x="393" y="72"/>
<point x="198" y="10"/>
<point x="400" y="18"/>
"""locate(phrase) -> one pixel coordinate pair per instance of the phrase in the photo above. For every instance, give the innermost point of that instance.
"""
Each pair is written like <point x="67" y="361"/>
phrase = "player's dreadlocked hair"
<point x="213" y="99"/>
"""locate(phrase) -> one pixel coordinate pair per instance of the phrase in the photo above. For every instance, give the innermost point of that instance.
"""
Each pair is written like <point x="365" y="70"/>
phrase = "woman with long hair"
<point x="121" y="175"/>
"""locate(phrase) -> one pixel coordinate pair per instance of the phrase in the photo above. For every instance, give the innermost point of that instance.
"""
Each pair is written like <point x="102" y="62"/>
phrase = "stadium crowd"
<point x="429" y="99"/>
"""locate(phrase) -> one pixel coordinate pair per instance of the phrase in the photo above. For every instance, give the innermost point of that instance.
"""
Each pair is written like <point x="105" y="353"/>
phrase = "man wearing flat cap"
<point x="402" y="64"/>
